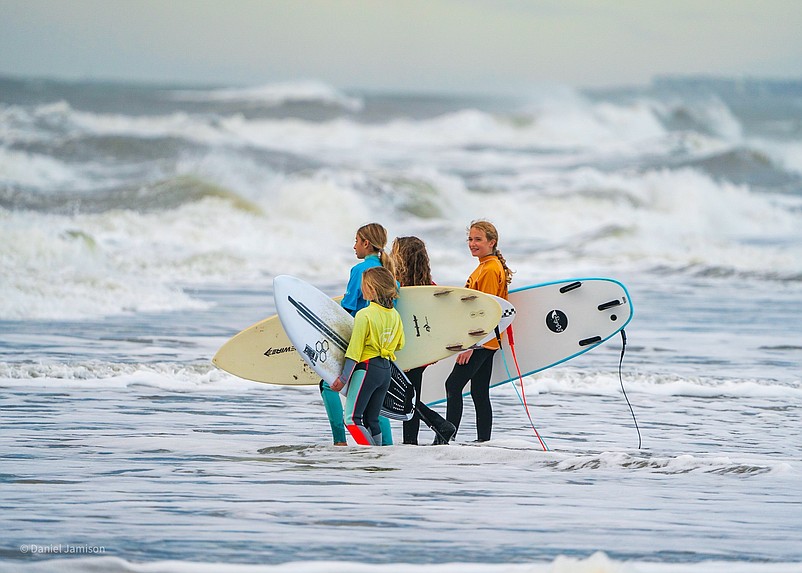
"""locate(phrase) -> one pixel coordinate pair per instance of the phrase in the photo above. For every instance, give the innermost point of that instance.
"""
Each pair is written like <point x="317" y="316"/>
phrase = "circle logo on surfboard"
<point x="556" y="321"/>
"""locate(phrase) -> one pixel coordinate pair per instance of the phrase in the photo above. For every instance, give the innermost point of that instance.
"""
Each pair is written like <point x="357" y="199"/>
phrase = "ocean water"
<point x="141" y="226"/>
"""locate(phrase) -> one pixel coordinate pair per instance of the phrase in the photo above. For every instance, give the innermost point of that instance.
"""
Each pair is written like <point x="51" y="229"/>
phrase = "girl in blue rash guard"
<point x="369" y="248"/>
<point x="367" y="370"/>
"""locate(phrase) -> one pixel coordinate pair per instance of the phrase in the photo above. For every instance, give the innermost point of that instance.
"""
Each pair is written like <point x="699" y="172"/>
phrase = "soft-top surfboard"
<point x="554" y="322"/>
<point x="438" y="322"/>
<point x="320" y="329"/>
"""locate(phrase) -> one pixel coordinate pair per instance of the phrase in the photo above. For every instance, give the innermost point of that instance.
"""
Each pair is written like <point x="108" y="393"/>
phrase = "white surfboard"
<point x="554" y="322"/>
<point x="320" y="330"/>
<point x="438" y="322"/>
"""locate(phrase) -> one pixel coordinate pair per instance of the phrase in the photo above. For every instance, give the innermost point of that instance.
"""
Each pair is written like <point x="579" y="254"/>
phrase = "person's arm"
<point x="348" y="370"/>
<point x="464" y="357"/>
<point x="354" y="352"/>
<point x="353" y="291"/>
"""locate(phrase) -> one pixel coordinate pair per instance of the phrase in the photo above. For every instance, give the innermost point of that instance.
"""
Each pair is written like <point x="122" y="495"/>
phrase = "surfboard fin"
<point x="610" y="304"/>
<point x="570" y="287"/>
<point x="589" y="341"/>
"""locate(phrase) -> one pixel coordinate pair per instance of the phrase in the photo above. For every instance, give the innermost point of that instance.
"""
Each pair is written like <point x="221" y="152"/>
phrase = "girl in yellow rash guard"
<point x="377" y="334"/>
<point x="491" y="276"/>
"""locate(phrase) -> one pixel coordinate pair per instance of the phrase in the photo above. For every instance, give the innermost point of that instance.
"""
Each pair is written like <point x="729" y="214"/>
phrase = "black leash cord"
<point x="621" y="380"/>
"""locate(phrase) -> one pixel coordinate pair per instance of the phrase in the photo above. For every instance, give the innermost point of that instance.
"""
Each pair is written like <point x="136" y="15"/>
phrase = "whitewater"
<point x="141" y="227"/>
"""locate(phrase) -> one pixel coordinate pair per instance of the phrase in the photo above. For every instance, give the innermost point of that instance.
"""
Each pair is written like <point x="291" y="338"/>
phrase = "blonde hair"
<point x="376" y="235"/>
<point x="411" y="261"/>
<point x="379" y="283"/>
<point x="492" y="235"/>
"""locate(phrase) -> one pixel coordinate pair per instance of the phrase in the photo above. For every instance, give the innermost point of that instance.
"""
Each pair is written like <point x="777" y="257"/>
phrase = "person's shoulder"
<point x="496" y="263"/>
<point x="366" y="263"/>
<point x="363" y="313"/>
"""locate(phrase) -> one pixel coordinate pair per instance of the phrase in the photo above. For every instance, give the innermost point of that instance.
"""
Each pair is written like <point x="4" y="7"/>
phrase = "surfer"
<point x="369" y="246"/>
<point x="377" y="334"/>
<point x="412" y="268"/>
<point x="492" y="276"/>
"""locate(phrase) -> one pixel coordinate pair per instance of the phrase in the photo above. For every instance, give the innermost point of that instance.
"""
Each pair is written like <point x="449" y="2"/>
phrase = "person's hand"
<point x="338" y="384"/>
<point x="463" y="357"/>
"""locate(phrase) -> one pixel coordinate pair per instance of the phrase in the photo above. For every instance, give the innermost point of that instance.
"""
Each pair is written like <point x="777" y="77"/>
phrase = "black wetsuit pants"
<point x="478" y="371"/>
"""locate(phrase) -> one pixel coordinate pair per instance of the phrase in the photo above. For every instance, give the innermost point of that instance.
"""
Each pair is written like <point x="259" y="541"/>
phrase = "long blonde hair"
<point x="376" y="235"/>
<point x="492" y="235"/>
<point x="380" y="283"/>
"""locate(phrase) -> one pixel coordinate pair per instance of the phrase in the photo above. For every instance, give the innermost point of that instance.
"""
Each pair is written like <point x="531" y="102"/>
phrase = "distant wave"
<point x="157" y="196"/>
<point x="748" y="165"/>
<point x="274" y="94"/>
<point x="710" y="116"/>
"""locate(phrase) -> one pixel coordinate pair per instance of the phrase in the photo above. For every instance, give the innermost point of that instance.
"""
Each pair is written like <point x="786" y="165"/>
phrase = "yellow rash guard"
<point x="377" y="332"/>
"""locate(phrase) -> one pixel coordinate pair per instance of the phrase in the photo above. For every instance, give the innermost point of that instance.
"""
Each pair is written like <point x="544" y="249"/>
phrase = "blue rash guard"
<point x="353" y="300"/>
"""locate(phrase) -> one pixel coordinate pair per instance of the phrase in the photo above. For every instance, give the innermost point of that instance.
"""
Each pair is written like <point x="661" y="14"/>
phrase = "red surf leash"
<point x="511" y="338"/>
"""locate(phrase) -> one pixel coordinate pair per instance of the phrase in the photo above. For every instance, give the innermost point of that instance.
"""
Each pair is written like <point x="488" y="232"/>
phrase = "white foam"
<point x="20" y="168"/>
<point x="570" y="380"/>
<point x="122" y="261"/>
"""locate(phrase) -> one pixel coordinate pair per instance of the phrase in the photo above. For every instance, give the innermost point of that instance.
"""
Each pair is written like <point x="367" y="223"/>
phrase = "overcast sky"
<point x="411" y="45"/>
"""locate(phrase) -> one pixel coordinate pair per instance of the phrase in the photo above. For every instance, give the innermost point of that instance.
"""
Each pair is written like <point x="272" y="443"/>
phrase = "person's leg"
<point x="377" y="381"/>
<point x="412" y="426"/>
<point x="355" y="403"/>
<point x="334" y="411"/>
<point x="387" y="430"/>
<point x="363" y="404"/>
<point x="443" y="429"/>
<point x="480" y="393"/>
<point x="455" y="384"/>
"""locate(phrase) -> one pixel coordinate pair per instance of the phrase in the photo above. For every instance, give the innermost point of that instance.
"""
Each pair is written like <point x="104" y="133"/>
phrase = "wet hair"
<point x="376" y="235"/>
<point x="492" y="235"/>
<point x="380" y="283"/>
<point x="411" y="261"/>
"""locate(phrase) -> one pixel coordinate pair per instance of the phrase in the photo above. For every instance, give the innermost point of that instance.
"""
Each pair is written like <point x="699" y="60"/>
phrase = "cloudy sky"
<point x="412" y="45"/>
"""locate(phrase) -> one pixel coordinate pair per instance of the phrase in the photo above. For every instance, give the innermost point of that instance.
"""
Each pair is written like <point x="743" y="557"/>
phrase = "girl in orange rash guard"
<point x="492" y="276"/>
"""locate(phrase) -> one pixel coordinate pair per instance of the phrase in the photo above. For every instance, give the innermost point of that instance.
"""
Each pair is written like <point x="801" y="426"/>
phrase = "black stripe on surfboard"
<point x="316" y="322"/>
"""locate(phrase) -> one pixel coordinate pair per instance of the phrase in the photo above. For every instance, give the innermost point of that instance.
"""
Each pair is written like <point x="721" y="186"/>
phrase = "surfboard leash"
<point x="522" y="394"/>
<point x="621" y="380"/>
